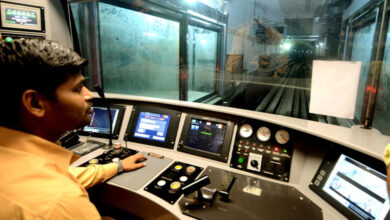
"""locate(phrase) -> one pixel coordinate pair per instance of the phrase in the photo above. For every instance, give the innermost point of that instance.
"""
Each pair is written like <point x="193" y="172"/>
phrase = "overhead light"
<point x="191" y="1"/>
<point x="286" y="46"/>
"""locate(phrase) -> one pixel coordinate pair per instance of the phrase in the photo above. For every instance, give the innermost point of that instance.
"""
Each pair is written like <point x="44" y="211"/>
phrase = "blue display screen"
<point x="152" y="126"/>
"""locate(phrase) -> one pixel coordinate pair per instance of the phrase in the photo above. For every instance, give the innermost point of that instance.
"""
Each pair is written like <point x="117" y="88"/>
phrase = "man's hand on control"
<point x="130" y="163"/>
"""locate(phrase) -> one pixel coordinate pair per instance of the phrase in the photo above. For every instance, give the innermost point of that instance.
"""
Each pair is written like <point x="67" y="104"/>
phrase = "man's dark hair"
<point x="36" y="64"/>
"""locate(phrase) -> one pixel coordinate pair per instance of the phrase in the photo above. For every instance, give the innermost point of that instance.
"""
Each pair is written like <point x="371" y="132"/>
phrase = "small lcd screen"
<point x="359" y="188"/>
<point x="152" y="126"/>
<point x="22" y="17"/>
<point x="206" y="135"/>
<point x="100" y="122"/>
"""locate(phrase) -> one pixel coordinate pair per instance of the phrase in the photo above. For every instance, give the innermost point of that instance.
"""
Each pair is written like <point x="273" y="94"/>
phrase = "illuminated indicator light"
<point x="183" y="178"/>
<point x="268" y="148"/>
<point x="8" y="39"/>
<point x="276" y="149"/>
<point x="175" y="185"/>
<point x="94" y="161"/>
<point x="161" y="183"/>
<point x="261" y="146"/>
<point x="285" y="151"/>
<point x="241" y="160"/>
<point x="206" y="133"/>
<point x="241" y="142"/>
<point x="178" y="167"/>
<point x="117" y="146"/>
<point x="208" y="123"/>
<point x="247" y="143"/>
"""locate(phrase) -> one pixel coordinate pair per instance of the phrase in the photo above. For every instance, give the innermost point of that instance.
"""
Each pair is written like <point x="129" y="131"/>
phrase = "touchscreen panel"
<point x="206" y="135"/>
<point x="359" y="188"/>
<point x="100" y="122"/>
<point x="152" y="126"/>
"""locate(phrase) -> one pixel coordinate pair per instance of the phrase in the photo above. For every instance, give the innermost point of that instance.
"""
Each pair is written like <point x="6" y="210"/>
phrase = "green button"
<point x="241" y="160"/>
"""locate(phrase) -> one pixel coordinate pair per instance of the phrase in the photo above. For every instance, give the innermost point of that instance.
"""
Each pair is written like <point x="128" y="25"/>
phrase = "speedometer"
<point x="282" y="136"/>
<point x="263" y="134"/>
<point x="246" y="130"/>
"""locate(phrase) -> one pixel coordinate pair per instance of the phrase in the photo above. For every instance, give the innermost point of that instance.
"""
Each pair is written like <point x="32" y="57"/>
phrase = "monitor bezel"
<point x="115" y="129"/>
<point x="40" y="17"/>
<point x="223" y="155"/>
<point x="173" y="126"/>
<point x="328" y="165"/>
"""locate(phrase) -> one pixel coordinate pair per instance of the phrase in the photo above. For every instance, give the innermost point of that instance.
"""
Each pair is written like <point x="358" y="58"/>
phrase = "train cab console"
<point x="213" y="162"/>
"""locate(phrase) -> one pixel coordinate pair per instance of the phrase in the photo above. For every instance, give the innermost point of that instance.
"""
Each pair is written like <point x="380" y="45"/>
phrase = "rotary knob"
<point x="254" y="163"/>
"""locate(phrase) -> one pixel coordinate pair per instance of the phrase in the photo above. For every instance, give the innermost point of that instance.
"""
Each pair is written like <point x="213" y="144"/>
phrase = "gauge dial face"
<point x="246" y="130"/>
<point x="282" y="136"/>
<point x="263" y="134"/>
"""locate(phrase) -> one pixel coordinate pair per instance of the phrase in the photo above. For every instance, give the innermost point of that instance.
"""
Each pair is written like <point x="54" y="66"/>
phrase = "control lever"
<point x="206" y="195"/>
<point x="225" y="194"/>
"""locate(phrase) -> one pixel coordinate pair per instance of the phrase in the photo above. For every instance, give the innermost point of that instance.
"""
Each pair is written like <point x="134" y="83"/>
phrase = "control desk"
<point x="214" y="162"/>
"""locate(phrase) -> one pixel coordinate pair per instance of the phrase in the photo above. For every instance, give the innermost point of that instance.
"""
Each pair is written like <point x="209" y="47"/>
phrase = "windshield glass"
<point x="249" y="54"/>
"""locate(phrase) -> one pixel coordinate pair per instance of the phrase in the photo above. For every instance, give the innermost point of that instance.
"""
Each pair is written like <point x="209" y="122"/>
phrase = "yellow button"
<point x="94" y="161"/>
<point x="178" y="167"/>
<point x="175" y="186"/>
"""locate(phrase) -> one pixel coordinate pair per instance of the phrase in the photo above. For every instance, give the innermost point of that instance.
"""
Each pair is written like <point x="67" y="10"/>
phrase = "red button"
<point x="276" y="149"/>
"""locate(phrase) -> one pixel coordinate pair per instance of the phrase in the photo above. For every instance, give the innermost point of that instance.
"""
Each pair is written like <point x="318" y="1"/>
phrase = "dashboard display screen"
<point x="152" y="126"/>
<point x="206" y="135"/>
<point x="100" y="122"/>
<point x="358" y="188"/>
<point x="21" y="17"/>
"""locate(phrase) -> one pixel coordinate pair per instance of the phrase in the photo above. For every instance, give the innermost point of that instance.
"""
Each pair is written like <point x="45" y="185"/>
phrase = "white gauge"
<point x="282" y="136"/>
<point x="263" y="134"/>
<point x="246" y="130"/>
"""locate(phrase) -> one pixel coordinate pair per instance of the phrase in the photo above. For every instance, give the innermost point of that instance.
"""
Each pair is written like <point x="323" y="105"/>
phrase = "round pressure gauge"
<point x="246" y="130"/>
<point x="263" y="134"/>
<point x="282" y="136"/>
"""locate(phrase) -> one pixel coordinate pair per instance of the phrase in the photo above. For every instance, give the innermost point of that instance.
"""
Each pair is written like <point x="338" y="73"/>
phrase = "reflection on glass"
<point x="202" y="62"/>
<point x="140" y="53"/>
<point x="382" y="107"/>
<point x="361" y="51"/>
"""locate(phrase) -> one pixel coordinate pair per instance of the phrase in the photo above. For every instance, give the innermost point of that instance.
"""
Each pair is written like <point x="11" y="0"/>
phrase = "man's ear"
<point x="33" y="103"/>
